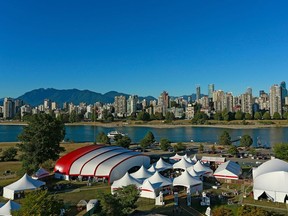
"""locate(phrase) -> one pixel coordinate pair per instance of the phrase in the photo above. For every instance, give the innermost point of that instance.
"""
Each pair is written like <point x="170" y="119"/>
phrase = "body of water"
<point x="87" y="133"/>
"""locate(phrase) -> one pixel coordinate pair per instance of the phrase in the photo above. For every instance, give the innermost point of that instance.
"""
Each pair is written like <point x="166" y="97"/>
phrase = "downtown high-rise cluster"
<point x="274" y="101"/>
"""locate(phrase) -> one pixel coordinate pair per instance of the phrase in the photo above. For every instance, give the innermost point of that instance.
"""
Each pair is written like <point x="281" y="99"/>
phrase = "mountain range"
<point x="76" y="96"/>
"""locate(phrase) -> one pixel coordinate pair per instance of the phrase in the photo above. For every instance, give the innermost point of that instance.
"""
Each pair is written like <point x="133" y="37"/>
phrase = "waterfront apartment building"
<point x="8" y="108"/>
<point x="163" y="102"/>
<point x="228" y="102"/>
<point x="218" y="100"/>
<point x="275" y="100"/>
<point x="210" y="91"/>
<point x="247" y="102"/>
<point x="198" y="93"/>
<point x="120" y="105"/>
<point x="132" y="104"/>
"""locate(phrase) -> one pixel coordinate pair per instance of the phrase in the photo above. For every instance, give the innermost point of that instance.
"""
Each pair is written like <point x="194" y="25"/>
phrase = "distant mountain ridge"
<point x="76" y="96"/>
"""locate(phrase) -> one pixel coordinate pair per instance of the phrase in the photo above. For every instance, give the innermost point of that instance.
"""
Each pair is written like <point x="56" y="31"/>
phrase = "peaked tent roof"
<point x="162" y="165"/>
<point x="228" y="170"/>
<point x="176" y="157"/>
<point x="25" y="183"/>
<point x="147" y="186"/>
<point x="157" y="180"/>
<point x="152" y="168"/>
<point x="182" y="164"/>
<point x="127" y="179"/>
<point x="142" y="173"/>
<point x="195" y="159"/>
<point x="41" y="173"/>
<point x="189" y="159"/>
<point x="193" y="173"/>
<point x="187" y="180"/>
<point x="6" y="209"/>
<point x="199" y="167"/>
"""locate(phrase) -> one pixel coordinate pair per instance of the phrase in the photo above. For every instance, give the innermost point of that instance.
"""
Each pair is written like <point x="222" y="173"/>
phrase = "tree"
<point x="150" y="137"/>
<point x="124" y="141"/>
<point x="213" y="149"/>
<point x="239" y="115"/>
<point x="276" y="116"/>
<point x="73" y="117"/>
<point x="144" y="116"/>
<point x="227" y="116"/>
<point x="121" y="203"/>
<point x="246" y="141"/>
<point x="102" y="138"/>
<point x="201" y="148"/>
<point x="258" y="116"/>
<point x="200" y="118"/>
<point x="220" y="211"/>
<point x="225" y="138"/>
<point x="40" y="203"/>
<point x="233" y="150"/>
<point x="9" y="154"/>
<point x="248" y="116"/>
<point x="179" y="147"/>
<point x="218" y="116"/>
<point x="281" y="151"/>
<point x="252" y="211"/>
<point x="40" y="141"/>
<point x="159" y="116"/>
<point x="169" y="116"/>
<point x="285" y="115"/>
<point x="266" y="116"/>
<point x="164" y="144"/>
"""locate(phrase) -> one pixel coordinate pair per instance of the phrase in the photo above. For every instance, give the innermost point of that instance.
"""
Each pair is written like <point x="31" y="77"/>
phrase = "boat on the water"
<point x="112" y="134"/>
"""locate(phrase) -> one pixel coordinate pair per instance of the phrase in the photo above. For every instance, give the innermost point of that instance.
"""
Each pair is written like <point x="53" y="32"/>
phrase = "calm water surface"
<point x="265" y="136"/>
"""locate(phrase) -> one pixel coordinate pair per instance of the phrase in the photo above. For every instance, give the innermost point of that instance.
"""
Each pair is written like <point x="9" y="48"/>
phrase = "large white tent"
<point x="158" y="181"/>
<point x="147" y="190"/>
<point x="228" y="170"/>
<point x="162" y="165"/>
<point x="270" y="181"/>
<point x="201" y="168"/>
<point x="142" y="174"/>
<point x="188" y="181"/>
<point x="152" y="168"/>
<point x="25" y="183"/>
<point x="176" y="157"/>
<point x="9" y="206"/>
<point x="193" y="173"/>
<point x="126" y="180"/>
<point x="182" y="164"/>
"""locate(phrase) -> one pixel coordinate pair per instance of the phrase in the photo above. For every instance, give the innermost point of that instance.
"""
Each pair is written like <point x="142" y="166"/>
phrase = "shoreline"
<point x="162" y="125"/>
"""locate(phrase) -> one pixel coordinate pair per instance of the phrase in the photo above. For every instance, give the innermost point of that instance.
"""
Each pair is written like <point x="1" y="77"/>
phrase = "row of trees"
<point x="225" y="139"/>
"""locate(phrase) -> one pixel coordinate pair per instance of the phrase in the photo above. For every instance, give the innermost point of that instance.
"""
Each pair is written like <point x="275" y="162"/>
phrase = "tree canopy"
<point x="40" y="203"/>
<point x="246" y="141"/>
<point x="122" y="203"/>
<point x="102" y="138"/>
<point x="164" y="144"/>
<point x="124" y="141"/>
<point x="147" y="140"/>
<point x="225" y="138"/>
<point x="281" y="151"/>
<point x="40" y="141"/>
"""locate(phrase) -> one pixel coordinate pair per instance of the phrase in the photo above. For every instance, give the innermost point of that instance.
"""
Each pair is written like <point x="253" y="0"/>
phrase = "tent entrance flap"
<point x="265" y="196"/>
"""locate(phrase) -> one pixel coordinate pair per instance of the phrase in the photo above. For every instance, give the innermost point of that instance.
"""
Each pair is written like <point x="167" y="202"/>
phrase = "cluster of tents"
<point x="151" y="182"/>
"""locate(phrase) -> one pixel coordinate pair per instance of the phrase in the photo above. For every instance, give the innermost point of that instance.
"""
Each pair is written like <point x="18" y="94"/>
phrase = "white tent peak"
<point x="187" y="180"/>
<point x="272" y="165"/>
<point x="162" y="165"/>
<point x="199" y="167"/>
<point x="159" y="181"/>
<point x="176" y="157"/>
<point x="152" y="168"/>
<point x="142" y="173"/>
<point x="9" y="206"/>
<point x="127" y="179"/>
<point x="41" y="172"/>
<point x="182" y="164"/>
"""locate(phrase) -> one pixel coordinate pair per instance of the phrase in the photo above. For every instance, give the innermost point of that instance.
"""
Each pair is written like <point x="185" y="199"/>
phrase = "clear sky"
<point x="143" y="46"/>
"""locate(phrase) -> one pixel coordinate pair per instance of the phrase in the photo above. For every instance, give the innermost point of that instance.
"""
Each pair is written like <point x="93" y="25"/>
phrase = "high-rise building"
<point x="275" y="100"/>
<point x="47" y="104"/>
<point x="283" y="91"/>
<point x="132" y="104"/>
<point x="247" y="102"/>
<point x="120" y="105"/>
<point x="228" y="102"/>
<point x="218" y="100"/>
<point x="8" y="108"/>
<point x="198" y="93"/>
<point x="249" y="91"/>
<point x="210" y="91"/>
<point x="163" y="102"/>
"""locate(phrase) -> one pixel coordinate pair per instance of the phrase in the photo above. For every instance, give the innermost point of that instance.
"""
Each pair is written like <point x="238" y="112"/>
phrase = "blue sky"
<point x="143" y="47"/>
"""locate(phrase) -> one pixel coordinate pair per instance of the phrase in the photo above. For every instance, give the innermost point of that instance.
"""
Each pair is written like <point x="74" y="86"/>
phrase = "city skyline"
<point x="142" y="48"/>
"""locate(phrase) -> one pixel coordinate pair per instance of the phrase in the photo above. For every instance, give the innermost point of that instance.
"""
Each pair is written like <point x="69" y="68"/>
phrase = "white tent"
<point x="162" y="165"/>
<point x="199" y="167"/>
<point x="195" y="158"/>
<point x="6" y="209"/>
<point x="186" y="180"/>
<point x="142" y="174"/>
<point x="182" y="164"/>
<point x="193" y="173"/>
<point x="157" y="180"/>
<point x="189" y="159"/>
<point x="228" y="170"/>
<point x="41" y="173"/>
<point x="147" y="190"/>
<point x="176" y="157"/>
<point x="270" y="181"/>
<point x="126" y="180"/>
<point x="25" y="183"/>
<point x="152" y="168"/>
